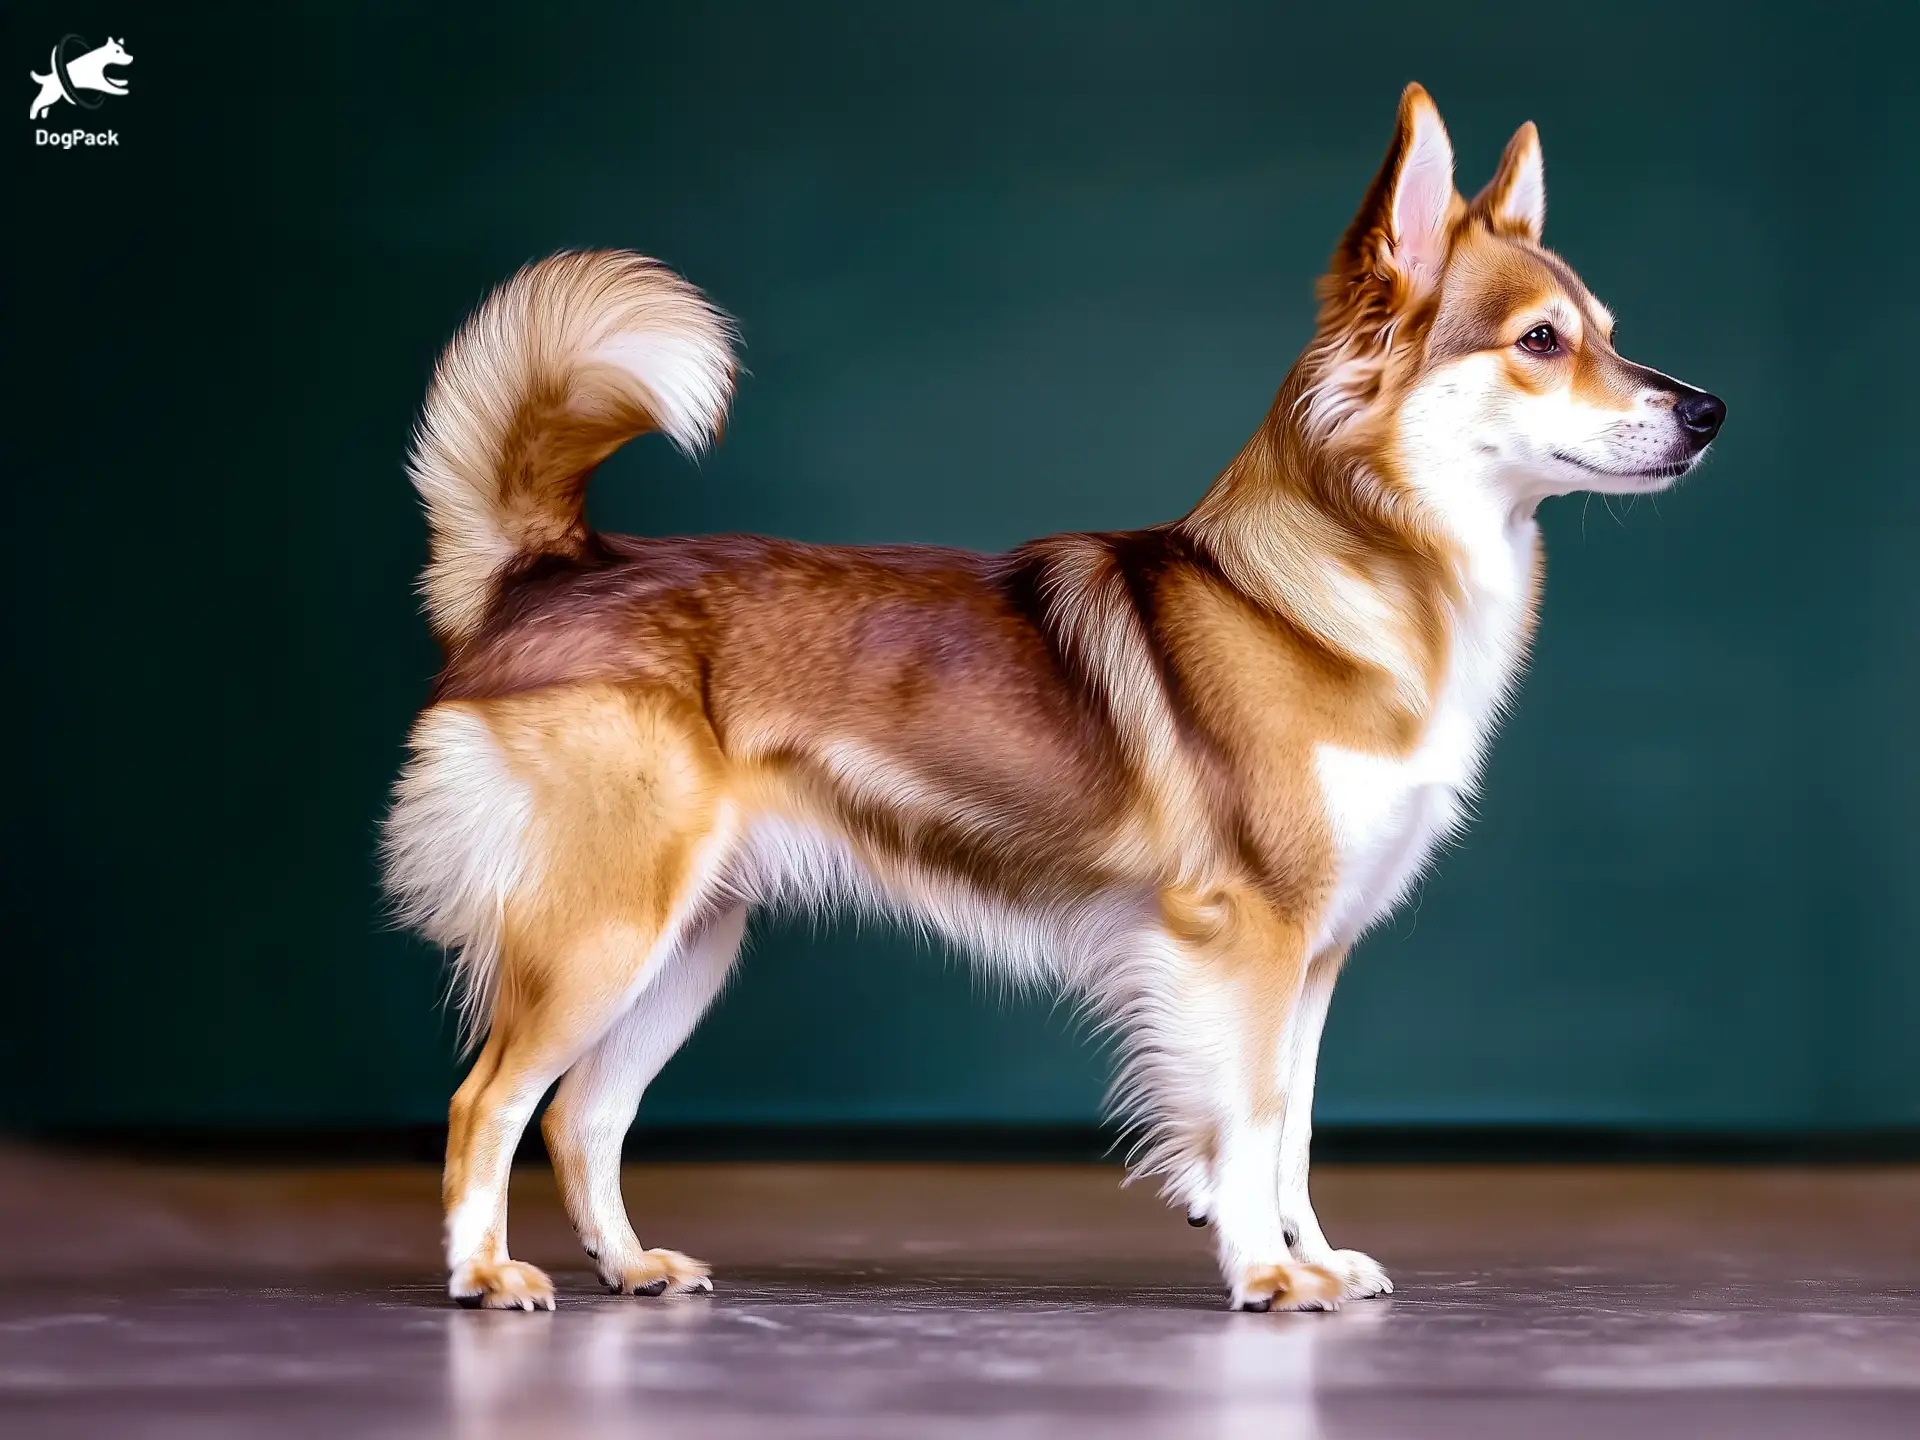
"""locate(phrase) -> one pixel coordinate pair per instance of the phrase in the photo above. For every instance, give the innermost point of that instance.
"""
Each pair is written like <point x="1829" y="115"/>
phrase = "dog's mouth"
<point x="1671" y="471"/>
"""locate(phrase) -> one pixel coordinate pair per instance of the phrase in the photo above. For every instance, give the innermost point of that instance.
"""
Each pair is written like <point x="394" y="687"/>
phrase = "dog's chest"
<point x="1388" y="813"/>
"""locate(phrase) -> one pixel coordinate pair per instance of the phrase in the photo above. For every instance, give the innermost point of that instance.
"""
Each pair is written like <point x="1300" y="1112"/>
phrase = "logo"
<point x="79" y="77"/>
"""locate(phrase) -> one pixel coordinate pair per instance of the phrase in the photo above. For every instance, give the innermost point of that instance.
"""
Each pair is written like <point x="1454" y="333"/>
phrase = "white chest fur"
<point x="1389" y="813"/>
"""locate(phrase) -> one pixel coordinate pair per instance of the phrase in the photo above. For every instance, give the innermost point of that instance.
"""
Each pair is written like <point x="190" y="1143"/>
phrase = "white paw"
<point x="1361" y="1275"/>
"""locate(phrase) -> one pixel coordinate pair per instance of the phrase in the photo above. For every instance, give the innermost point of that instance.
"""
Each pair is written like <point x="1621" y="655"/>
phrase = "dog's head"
<point x="114" y="53"/>
<point x="1454" y="349"/>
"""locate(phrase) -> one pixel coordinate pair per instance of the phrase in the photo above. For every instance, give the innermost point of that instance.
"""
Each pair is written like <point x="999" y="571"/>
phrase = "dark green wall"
<point x="1001" y="269"/>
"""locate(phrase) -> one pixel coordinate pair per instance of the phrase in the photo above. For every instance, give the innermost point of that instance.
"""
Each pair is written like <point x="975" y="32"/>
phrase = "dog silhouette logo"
<point x="79" y="77"/>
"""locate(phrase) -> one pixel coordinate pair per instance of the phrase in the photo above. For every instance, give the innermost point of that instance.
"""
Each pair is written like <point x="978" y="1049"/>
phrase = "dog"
<point x="87" y="72"/>
<point x="1176" y="771"/>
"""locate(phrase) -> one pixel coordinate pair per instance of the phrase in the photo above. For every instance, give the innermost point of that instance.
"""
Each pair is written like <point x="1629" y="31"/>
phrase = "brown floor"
<point x="887" y="1300"/>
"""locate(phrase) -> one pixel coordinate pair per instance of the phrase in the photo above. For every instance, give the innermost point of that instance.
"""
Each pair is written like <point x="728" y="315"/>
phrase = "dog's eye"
<point x="1540" y="340"/>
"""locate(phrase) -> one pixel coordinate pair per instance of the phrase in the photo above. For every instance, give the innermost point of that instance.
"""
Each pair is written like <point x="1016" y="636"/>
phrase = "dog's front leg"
<point x="1360" y="1275"/>
<point x="1224" y="1049"/>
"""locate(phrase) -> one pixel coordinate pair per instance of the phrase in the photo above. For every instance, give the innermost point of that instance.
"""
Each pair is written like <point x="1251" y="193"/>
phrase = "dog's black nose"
<point x="1701" y="415"/>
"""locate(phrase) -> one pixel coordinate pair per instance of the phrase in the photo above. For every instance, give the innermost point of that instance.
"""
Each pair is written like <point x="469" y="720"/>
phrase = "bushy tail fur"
<point x="562" y="365"/>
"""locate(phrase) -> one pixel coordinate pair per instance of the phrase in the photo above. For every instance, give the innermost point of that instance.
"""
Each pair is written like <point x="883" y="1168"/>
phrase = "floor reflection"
<point x="1463" y="1355"/>
<point x="853" y="1362"/>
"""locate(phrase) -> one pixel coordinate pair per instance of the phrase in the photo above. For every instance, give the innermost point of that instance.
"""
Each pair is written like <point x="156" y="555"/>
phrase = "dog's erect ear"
<point x="1405" y="222"/>
<point x="1515" y="200"/>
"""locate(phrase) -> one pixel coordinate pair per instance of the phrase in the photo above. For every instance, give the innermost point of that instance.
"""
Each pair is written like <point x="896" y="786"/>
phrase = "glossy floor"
<point x="929" y="1300"/>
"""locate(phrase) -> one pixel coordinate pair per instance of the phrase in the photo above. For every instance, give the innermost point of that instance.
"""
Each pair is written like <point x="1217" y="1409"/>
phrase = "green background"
<point x="1001" y="269"/>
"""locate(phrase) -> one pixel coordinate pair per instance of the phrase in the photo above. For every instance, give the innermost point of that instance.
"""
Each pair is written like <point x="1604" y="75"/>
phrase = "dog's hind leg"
<point x="541" y="1024"/>
<point x="596" y="1102"/>
<point x="557" y="1003"/>
<point x="625" y="833"/>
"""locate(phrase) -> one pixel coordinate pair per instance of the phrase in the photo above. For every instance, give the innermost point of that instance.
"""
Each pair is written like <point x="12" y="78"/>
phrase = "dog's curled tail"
<point x="562" y="365"/>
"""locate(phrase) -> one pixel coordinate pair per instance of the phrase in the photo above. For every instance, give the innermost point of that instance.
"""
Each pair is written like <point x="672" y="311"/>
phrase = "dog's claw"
<point x="656" y="1287"/>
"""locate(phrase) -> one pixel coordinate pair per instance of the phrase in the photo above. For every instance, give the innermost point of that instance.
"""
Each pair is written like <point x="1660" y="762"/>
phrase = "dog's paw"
<point x="656" y="1272"/>
<point x="1288" y="1285"/>
<point x="1361" y="1276"/>
<point x="508" y="1286"/>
